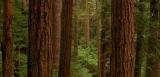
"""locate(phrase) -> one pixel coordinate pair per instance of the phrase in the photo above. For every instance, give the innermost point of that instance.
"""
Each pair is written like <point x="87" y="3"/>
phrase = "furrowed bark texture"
<point x="40" y="38"/>
<point x="7" y="43"/>
<point x="56" y="36"/>
<point x="123" y="38"/>
<point x="66" y="38"/>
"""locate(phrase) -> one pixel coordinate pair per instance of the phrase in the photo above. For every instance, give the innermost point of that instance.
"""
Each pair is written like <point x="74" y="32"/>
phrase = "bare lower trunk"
<point x="56" y="36"/>
<point x="123" y="38"/>
<point x="66" y="39"/>
<point x="7" y="43"/>
<point x="40" y="38"/>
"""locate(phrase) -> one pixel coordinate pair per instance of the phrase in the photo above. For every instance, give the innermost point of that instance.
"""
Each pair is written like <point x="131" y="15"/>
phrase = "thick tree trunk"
<point x="7" y="43"/>
<point x="123" y="38"/>
<point x="66" y="38"/>
<point x="153" y="59"/>
<point x="56" y="36"/>
<point x="40" y="38"/>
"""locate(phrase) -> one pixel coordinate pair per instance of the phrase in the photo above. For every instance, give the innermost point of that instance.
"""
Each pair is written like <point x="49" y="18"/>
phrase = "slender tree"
<point x="1" y="12"/>
<point x="1" y="23"/>
<point x="66" y="38"/>
<point x="101" y="55"/>
<point x="123" y="38"/>
<point x="7" y="43"/>
<point x="87" y="21"/>
<point x="40" y="38"/>
<point x="105" y="37"/>
<point x="75" y="28"/>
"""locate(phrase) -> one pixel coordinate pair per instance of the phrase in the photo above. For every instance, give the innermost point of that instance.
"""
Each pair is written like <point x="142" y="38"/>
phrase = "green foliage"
<point x="78" y="70"/>
<point x="20" y="28"/>
<point x="87" y="55"/>
<point x="23" y="65"/>
<point x="85" y="62"/>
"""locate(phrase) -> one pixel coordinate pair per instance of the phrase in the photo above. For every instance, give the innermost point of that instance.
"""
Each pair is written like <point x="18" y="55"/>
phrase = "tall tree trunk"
<point x="40" y="40"/>
<point x="56" y="36"/>
<point x="123" y="38"/>
<point x="75" y="29"/>
<point x="66" y="38"/>
<point x="153" y="59"/>
<point x="7" y="43"/>
<point x="101" y="55"/>
<point x="75" y="36"/>
<point x="1" y="14"/>
<point x="105" y="38"/>
<point x="87" y="22"/>
<point x="1" y="23"/>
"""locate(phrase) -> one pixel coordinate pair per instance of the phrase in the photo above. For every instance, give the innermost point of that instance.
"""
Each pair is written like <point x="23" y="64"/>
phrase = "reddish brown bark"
<point x="123" y="38"/>
<point x="40" y="38"/>
<point x="66" y="38"/>
<point x="56" y="36"/>
<point x="7" y="43"/>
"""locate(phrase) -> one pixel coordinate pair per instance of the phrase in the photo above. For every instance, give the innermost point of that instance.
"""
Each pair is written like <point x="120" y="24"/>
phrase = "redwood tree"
<point x="123" y="38"/>
<point x="66" y="38"/>
<point x="7" y="43"/>
<point x="56" y="36"/>
<point x="40" y="40"/>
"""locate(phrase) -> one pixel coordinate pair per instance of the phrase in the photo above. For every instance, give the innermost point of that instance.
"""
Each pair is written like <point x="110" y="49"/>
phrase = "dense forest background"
<point x="96" y="47"/>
